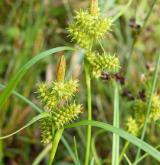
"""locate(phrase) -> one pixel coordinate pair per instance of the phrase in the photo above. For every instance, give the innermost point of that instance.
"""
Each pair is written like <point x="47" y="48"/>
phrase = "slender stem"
<point x="1" y="149"/>
<point x="127" y="159"/>
<point x="115" y="145"/>
<point x="101" y="46"/>
<point x="89" y="130"/>
<point x="55" y="143"/>
<point x="123" y="151"/>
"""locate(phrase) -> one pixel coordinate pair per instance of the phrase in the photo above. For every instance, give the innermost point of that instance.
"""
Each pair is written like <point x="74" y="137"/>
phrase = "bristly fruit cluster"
<point x="102" y="63"/>
<point x="139" y="108"/>
<point x="56" y="98"/>
<point x="88" y="27"/>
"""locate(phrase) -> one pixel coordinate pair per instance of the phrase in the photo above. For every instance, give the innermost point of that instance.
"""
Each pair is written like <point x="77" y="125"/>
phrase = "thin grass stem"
<point x="89" y="129"/>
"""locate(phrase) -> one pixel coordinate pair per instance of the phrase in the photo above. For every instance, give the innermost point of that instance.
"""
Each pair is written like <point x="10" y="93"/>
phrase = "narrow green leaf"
<point x="24" y="99"/>
<point x="18" y="76"/>
<point x="93" y="147"/>
<point x="134" y="140"/>
<point x="76" y="151"/>
<point x="69" y="149"/>
<point x="35" y="119"/>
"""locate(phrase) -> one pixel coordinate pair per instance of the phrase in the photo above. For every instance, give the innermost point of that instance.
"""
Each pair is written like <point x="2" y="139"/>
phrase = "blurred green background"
<point x="28" y="27"/>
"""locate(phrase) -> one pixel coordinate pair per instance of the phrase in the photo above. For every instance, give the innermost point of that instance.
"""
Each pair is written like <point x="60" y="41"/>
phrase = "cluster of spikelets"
<point x="139" y="108"/>
<point x="56" y="99"/>
<point x="88" y="27"/>
<point x="102" y="63"/>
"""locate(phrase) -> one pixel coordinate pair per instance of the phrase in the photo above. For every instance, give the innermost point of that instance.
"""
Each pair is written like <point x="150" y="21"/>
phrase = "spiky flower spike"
<point x="103" y="63"/>
<point x="140" y="108"/>
<point x="65" y="115"/>
<point x="89" y="26"/>
<point x="56" y="97"/>
<point x="132" y="126"/>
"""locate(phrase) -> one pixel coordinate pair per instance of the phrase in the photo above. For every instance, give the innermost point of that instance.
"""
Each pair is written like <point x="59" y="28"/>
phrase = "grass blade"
<point x="36" y="108"/>
<point x="76" y="152"/>
<point x="15" y="79"/>
<point x="35" y="119"/>
<point x="134" y="140"/>
<point x="69" y="149"/>
<point x="93" y="147"/>
<point x="115" y="146"/>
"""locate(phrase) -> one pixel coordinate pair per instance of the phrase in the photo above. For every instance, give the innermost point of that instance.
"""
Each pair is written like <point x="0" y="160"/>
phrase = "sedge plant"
<point x="89" y="27"/>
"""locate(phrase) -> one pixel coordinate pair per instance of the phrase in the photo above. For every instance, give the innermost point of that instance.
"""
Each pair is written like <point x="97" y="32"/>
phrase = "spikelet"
<point x="87" y="27"/>
<point x="44" y="94"/>
<point x="132" y="126"/>
<point x="155" y="108"/>
<point x="64" y="90"/>
<point x="103" y="63"/>
<point x="46" y="130"/>
<point x="65" y="115"/>
<point x="140" y="110"/>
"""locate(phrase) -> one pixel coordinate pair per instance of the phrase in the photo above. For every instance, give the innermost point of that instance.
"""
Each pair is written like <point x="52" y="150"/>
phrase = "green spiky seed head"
<point x="140" y="107"/>
<point x="132" y="126"/>
<point x="64" y="90"/>
<point x="48" y="100"/>
<point x="50" y="94"/>
<point x="87" y="27"/>
<point x="56" y="98"/>
<point x="46" y="130"/>
<point x="155" y="108"/>
<point x="65" y="115"/>
<point x="103" y="63"/>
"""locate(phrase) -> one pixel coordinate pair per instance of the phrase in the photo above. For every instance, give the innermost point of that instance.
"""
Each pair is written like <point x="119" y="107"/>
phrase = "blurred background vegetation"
<point x="28" y="27"/>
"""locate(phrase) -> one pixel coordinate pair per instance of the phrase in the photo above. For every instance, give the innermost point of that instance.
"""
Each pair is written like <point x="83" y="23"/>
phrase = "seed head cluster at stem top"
<point x="89" y="27"/>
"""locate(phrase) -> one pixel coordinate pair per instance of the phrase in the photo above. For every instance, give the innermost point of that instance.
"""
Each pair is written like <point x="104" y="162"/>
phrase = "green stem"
<point x="1" y="150"/>
<point x="89" y="129"/>
<point x="55" y="143"/>
<point x="123" y="151"/>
